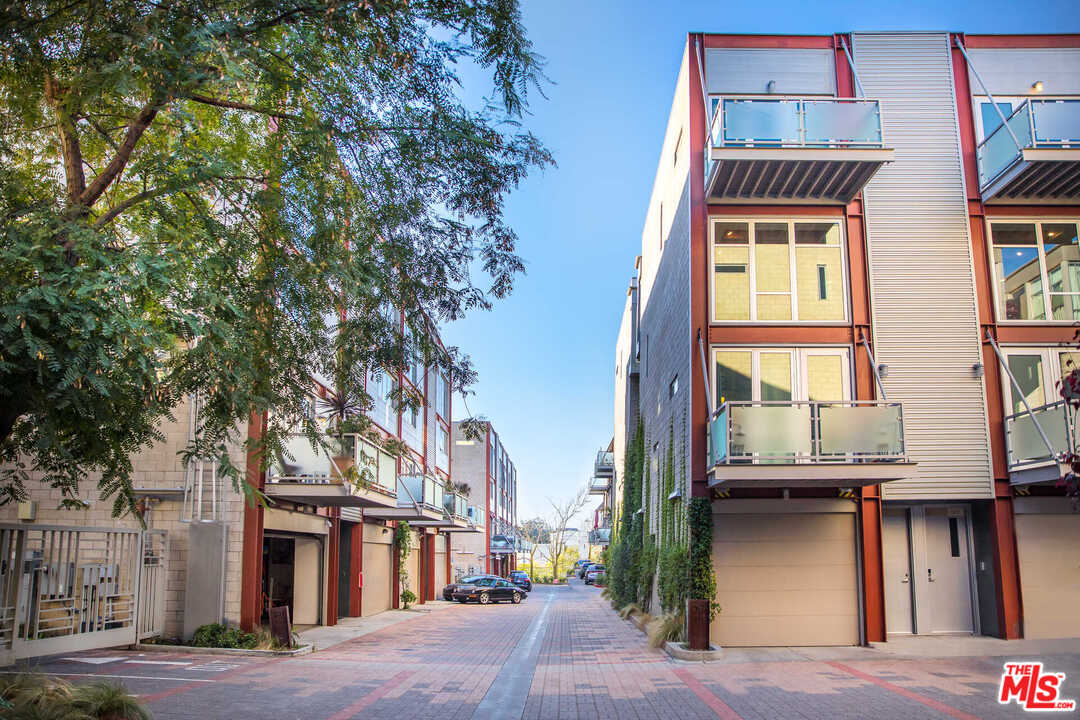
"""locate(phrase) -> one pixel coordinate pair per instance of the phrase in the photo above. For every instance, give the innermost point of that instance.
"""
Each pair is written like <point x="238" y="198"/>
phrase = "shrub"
<point x="702" y="577"/>
<point x="106" y="700"/>
<point x="666" y="628"/>
<point x="408" y="597"/>
<point x="672" y="579"/>
<point x="628" y="610"/>
<point x="33" y="696"/>
<point x="220" y="635"/>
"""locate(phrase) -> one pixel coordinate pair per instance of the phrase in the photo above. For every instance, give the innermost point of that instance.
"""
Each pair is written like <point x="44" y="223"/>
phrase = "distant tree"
<point x="536" y="532"/>
<point x="562" y="514"/>
<point x="222" y="197"/>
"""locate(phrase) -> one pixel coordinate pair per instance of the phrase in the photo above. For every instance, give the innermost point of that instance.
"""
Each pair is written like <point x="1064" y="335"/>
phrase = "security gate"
<point x="64" y="589"/>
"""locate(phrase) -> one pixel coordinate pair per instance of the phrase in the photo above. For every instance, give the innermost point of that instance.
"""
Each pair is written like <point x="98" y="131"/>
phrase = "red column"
<point x="395" y="571"/>
<point x="873" y="563"/>
<point x="429" y="567"/>
<point x="333" y="562"/>
<point x="449" y="552"/>
<point x="1010" y="607"/>
<point x="356" y="571"/>
<point x="252" y="550"/>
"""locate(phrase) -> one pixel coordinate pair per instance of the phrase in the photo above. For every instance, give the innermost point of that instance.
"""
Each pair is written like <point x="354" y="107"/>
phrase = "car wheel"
<point x="485" y="598"/>
<point x="517" y="598"/>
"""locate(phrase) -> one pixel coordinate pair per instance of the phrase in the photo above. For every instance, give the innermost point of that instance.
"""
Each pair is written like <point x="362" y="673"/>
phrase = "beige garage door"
<point x="377" y="585"/>
<point x="1049" y="547"/>
<point x="785" y="579"/>
<point x="440" y="565"/>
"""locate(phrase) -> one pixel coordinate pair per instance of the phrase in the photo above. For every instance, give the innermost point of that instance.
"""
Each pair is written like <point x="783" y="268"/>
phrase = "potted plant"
<point x="340" y="406"/>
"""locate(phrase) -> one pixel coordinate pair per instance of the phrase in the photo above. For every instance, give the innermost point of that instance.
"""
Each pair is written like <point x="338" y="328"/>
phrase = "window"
<point x="778" y="271"/>
<point x="1038" y="372"/>
<point x="442" y="448"/>
<point x="381" y="387"/>
<point x="781" y="374"/>
<point x="1036" y="270"/>
<point x="442" y="396"/>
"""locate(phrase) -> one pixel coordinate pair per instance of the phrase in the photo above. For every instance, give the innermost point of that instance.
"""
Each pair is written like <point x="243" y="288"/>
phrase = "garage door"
<point x="785" y="579"/>
<point x="440" y="565"/>
<point x="1049" y="548"/>
<point x="376" y="590"/>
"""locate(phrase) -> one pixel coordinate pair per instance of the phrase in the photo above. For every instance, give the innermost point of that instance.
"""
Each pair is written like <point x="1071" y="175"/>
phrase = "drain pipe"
<point x="1020" y="393"/>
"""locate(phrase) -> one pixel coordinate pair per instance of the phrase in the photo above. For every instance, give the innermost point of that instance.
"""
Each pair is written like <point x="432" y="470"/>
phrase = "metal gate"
<point x="64" y="589"/>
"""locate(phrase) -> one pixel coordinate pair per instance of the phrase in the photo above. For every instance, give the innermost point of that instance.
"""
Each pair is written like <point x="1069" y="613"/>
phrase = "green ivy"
<point x="403" y="544"/>
<point x="646" y="569"/>
<point x="626" y="544"/>
<point x="672" y="578"/>
<point x="702" y="578"/>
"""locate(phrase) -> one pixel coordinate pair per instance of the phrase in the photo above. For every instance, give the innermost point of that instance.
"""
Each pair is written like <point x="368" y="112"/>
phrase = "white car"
<point x="592" y="573"/>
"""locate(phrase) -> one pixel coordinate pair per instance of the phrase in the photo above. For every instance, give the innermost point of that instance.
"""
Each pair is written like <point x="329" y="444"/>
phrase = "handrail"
<point x="801" y="102"/>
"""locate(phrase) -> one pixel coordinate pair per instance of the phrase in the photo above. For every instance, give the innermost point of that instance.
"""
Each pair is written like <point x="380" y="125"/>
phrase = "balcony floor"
<point x="409" y="513"/>
<point x="808" y="475"/>
<point x="1050" y="176"/>
<point x="768" y="174"/>
<point x="329" y="495"/>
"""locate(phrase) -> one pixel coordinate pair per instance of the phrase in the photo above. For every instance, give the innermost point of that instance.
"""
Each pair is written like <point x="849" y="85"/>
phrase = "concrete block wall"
<point x="155" y="467"/>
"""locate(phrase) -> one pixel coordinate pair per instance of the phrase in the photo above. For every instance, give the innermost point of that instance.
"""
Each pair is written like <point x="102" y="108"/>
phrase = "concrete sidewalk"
<point x="325" y="636"/>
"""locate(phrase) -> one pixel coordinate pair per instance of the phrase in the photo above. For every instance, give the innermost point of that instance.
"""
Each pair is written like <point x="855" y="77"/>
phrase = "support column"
<point x="356" y="571"/>
<point x="1010" y="607"/>
<point x="333" y="563"/>
<point x="429" y="567"/>
<point x="395" y="571"/>
<point x="449" y="553"/>
<point x="872" y="563"/>
<point x="251" y="602"/>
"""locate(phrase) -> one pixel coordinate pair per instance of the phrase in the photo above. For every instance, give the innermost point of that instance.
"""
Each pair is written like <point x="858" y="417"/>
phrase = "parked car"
<point x="595" y="570"/>
<point x="585" y="568"/>
<point x="448" y="591"/>
<point x="486" y="590"/>
<point x="521" y="579"/>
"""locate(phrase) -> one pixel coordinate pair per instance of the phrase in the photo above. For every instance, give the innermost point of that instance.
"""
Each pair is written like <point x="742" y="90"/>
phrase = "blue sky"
<point x="545" y="356"/>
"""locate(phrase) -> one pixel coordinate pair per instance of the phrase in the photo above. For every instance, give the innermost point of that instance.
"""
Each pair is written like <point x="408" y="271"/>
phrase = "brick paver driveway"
<point x="562" y="654"/>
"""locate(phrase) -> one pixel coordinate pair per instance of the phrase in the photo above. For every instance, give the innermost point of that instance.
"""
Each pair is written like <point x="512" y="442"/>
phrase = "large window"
<point x="380" y="386"/>
<point x="442" y="448"/>
<point x="1038" y="372"/>
<point x="778" y="271"/>
<point x="781" y="374"/>
<point x="1036" y="270"/>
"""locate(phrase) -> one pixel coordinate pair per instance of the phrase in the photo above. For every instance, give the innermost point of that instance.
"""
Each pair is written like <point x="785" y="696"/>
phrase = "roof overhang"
<point x="808" y="475"/>
<point x="1040" y="473"/>
<point x="330" y="494"/>
<point x="409" y="513"/>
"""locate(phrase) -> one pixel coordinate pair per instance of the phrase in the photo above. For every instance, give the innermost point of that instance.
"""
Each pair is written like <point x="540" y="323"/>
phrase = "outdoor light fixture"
<point x="770" y="87"/>
<point x="978" y="370"/>
<point x="883" y="370"/>
<point x="1037" y="86"/>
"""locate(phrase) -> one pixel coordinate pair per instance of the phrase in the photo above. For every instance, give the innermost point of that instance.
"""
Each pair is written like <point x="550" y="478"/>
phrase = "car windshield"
<point x="484" y="582"/>
<point x="470" y="580"/>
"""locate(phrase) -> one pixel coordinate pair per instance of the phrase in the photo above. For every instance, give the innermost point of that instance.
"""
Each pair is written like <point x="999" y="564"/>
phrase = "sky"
<point x="546" y="355"/>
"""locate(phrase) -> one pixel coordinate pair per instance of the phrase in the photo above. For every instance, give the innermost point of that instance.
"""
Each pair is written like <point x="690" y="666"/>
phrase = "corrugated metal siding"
<point x="922" y="281"/>
<point x="1011" y="71"/>
<point x="795" y="71"/>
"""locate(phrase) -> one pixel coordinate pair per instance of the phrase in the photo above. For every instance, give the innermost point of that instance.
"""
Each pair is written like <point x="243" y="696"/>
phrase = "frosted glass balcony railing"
<point x="476" y="515"/>
<point x="455" y="505"/>
<point x="806" y="432"/>
<point x="303" y="463"/>
<point x="421" y="489"/>
<point x="605" y="462"/>
<point x="796" y="122"/>
<point x="1024" y="444"/>
<point x="1036" y="124"/>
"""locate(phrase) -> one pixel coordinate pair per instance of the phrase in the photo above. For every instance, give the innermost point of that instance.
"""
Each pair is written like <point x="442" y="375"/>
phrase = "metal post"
<point x="1023" y="399"/>
<point x="1004" y="121"/>
<point x="854" y="71"/>
<point x="873" y="366"/>
<point x="708" y="397"/>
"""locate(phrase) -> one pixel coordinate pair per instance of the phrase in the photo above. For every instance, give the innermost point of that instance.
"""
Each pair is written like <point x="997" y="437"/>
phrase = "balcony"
<point x="1029" y="460"/>
<point x="808" y="444"/>
<point x="600" y="536"/>
<point x="605" y="464"/>
<point x="308" y="475"/>
<point x="476" y="517"/>
<point x="1039" y="160"/>
<point x="599" y="485"/>
<point x="793" y="149"/>
<point x="419" y="501"/>
<point x="502" y="545"/>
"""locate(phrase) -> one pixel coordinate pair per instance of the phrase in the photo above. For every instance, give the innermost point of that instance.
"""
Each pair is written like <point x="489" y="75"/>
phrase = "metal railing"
<point x="847" y="431"/>
<point x="421" y="489"/>
<point x="455" y="505"/>
<point x="605" y="460"/>
<point x="796" y="122"/>
<point x="1024" y="446"/>
<point x="1033" y="124"/>
<point x="599" y="484"/>
<point x="476" y="516"/>
<point x="308" y="464"/>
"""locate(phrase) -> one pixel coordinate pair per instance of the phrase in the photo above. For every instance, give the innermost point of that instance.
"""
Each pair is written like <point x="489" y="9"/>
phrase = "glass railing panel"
<point x="772" y="122"/>
<point x="1057" y="122"/>
<point x="301" y="461"/>
<point x="861" y="430"/>
<point x="999" y="150"/>
<point x="1025" y="442"/>
<point x="410" y="488"/>
<point x="835" y="123"/>
<point x="770" y="431"/>
<point x="433" y="492"/>
<point x="719" y="428"/>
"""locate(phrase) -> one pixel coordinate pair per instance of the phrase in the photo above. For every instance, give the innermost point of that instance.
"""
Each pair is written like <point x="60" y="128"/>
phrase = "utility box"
<point x="204" y="590"/>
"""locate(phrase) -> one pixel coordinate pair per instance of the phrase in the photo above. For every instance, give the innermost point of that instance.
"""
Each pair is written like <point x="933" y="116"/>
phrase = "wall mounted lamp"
<point x="883" y="370"/>
<point x="1037" y="86"/>
<point x="978" y="370"/>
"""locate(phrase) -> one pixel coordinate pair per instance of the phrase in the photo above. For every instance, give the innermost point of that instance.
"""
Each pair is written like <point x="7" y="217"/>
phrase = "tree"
<point x="224" y="197"/>
<point x="562" y="514"/>
<point x="536" y="532"/>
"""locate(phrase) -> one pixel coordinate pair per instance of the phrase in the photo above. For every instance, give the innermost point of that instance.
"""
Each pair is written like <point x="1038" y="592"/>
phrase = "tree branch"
<point x="233" y="105"/>
<point x="158" y="192"/>
<point x="69" y="139"/>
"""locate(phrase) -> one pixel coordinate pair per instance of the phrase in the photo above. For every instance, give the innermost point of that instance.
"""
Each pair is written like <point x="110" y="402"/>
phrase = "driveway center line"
<point x="354" y="709"/>
<point x="911" y="695"/>
<point x="707" y="696"/>
<point x="507" y="695"/>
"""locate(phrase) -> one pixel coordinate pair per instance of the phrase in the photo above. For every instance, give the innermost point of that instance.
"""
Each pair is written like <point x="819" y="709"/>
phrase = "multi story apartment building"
<point x="483" y="464"/>
<point x="322" y="546"/>
<point x="855" y="299"/>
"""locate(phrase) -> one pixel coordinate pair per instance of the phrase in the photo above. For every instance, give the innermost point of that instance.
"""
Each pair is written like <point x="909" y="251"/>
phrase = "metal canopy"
<point x="808" y="475"/>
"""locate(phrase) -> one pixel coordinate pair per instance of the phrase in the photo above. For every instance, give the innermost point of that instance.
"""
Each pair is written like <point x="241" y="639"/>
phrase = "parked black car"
<point x="521" y="579"/>
<point x="486" y="590"/>
<point x="448" y="591"/>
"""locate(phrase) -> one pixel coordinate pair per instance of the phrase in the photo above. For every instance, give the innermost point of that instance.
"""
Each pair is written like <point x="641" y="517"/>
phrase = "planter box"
<point x="302" y="650"/>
